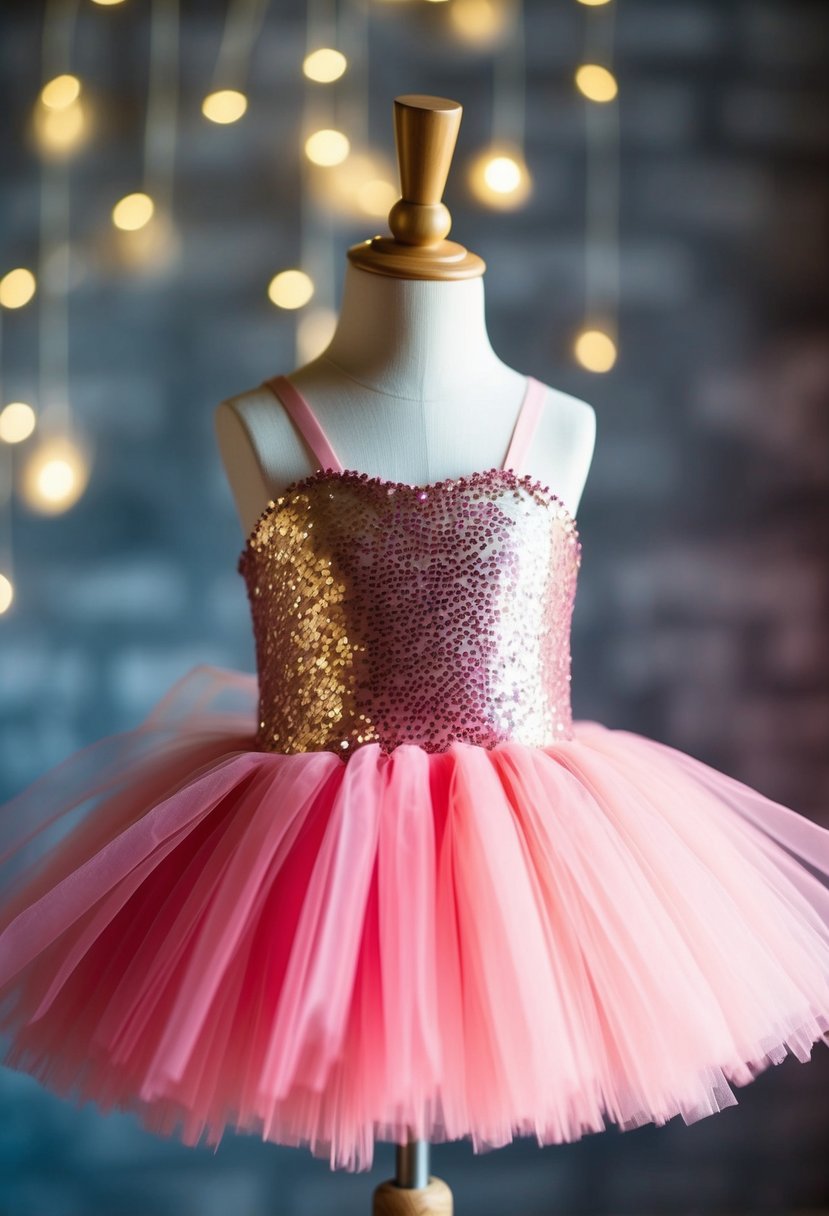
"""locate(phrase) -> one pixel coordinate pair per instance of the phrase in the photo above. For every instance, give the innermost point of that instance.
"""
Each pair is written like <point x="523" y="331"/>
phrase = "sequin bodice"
<point x="390" y="613"/>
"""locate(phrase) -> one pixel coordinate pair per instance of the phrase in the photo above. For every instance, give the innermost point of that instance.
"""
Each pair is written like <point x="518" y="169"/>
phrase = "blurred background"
<point x="647" y="182"/>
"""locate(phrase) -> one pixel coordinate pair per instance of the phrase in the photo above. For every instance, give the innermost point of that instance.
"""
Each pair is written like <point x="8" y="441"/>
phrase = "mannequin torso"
<point x="409" y="389"/>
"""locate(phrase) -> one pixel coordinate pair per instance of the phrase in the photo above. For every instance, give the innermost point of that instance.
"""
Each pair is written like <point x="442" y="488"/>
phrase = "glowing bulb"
<point x="327" y="147"/>
<point x="59" y="131"/>
<point x="17" y="288"/>
<point x="6" y="593"/>
<point x="290" y="289"/>
<point x="17" y="421"/>
<point x="61" y="92"/>
<point x="594" y="3"/>
<point x="324" y="65"/>
<point x="480" y="22"/>
<point x="107" y="3"/>
<point x="54" y="477"/>
<point x="133" y="211"/>
<point x="595" y="350"/>
<point x="224" y="106"/>
<point x="314" y="331"/>
<point x="500" y="178"/>
<point x="596" y="82"/>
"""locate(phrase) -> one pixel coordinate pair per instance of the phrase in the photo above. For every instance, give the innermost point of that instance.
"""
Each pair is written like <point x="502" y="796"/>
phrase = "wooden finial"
<point x="426" y="130"/>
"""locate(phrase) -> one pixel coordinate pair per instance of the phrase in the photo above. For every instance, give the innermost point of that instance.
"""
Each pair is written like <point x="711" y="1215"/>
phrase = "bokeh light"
<point x="6" y="593"/>
<point x="58" y="132"/>
<point x="499" y="178"/>
<point x="595" y="350"/>
<point x="596" y="82"/>
<point x="133" y="211"/>
<point x="17" y="287"/>
<point x="479" y="22"/>
<point x="54" y="477"/>
<point x="224" y="106"/>
<point x="60" y="92"/>
<point x="17" y="421"/>
<point x="327" y="147"/>
<point x="290" y="289"/>
<point x="324" y="65"/>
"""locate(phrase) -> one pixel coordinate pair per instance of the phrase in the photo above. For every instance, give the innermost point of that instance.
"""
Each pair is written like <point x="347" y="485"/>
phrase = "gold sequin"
<point x="390" y="613"/>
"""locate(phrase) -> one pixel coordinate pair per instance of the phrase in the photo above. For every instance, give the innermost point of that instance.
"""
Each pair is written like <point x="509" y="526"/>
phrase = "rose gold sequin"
<point x="390" y="613"/>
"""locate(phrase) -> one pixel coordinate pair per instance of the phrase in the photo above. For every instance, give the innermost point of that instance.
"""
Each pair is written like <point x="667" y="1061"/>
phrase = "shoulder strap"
<point x="306" y="421"/>
<point x="525" y="424"/>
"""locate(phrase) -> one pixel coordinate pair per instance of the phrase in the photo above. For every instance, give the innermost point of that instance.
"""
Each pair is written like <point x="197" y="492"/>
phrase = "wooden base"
<point x="446" y="260"/>
<point x="432" y="1200"/>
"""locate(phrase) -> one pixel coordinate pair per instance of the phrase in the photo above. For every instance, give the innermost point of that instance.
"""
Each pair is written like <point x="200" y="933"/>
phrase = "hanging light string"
<point x="227" y="101"/>
<point x="596" y="345"/>
<point x="59" y="21"/>
<point x="498" y="175"/>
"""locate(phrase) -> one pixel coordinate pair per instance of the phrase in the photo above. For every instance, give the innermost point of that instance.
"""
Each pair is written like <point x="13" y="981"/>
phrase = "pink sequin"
<point x="390" y="613"/>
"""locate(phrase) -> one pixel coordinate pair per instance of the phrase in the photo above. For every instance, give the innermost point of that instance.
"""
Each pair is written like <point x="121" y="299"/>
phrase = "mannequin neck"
<point x="411" y="338"/>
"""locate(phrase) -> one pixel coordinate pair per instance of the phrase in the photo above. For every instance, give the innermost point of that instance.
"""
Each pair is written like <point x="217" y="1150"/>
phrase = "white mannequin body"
<point x="409" y="389"/>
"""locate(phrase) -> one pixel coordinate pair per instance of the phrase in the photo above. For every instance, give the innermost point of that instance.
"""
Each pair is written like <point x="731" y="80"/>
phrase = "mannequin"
<point x="409" y="389"/>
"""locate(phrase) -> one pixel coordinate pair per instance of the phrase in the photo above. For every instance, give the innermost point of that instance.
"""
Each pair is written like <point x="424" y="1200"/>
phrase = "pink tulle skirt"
<point x="478" y="943"/>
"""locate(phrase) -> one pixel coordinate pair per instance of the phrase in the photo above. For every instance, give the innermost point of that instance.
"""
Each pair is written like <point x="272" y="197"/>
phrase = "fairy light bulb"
<point x="17" y="421"/>
<point x="595" y="350"/>
<point x="499" y="178"/>
<point x="133" y="211"/>
<point x="290" y="289"/>
<point x="224" y="106"/>
<point x="596" y="82"/>
<point x="59" y="130"/>
<point x="327" y="147"/>
<point x="6" y="593"/>
<point x="107" y="3"/>
<point x="17" y="287"/>
<point x="479" y="22"/>
<point x="593" y="3"/>
<point x="324" y="65"/>
<point x="60" y="92"/>
<point x="54" y="477"/>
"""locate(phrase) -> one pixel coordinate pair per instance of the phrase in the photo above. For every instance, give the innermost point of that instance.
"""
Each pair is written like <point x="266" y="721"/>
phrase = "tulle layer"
<point x="478" y="943"/>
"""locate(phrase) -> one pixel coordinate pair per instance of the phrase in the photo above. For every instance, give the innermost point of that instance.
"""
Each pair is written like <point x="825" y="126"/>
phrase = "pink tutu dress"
<point x="387" y="887"/>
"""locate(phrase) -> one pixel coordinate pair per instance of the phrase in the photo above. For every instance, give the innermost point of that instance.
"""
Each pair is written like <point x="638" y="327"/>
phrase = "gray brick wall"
<point x="701" y="613"/>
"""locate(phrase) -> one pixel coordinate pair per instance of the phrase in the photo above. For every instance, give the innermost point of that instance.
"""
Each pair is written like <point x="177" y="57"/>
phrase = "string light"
<point x="60" y="92"/>
<point x="593" y="3"/>
<point x="596" y="82"/>
<point x="595" y="350"/>
<point x="324" y="65"/>
<point x="17" y="421"/>
<point x="17" y="288"/>
<point x="500" y="178"/>
<point x="224" y="106"/>
<point x="290" y="289"/>
<point x="479" y="22"/>
<point x="133" y="211"/>
<point x="60" y="130"/>
<point x="107" y="3"/>
<point x="327" y="147"/>
<point x="6" y="593"/>
<point x="54" y="477"/>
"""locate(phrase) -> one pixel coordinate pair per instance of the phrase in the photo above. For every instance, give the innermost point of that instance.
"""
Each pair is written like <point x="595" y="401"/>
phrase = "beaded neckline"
<point x="526" y="480"/>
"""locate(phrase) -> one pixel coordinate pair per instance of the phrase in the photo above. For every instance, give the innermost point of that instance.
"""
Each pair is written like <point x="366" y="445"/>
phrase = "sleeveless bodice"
<point x="390" y="613"/>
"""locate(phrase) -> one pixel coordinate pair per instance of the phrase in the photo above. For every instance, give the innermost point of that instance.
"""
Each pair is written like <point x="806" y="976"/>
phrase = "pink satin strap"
<point x="306" y="422"/>
<point x="525" y="424"/>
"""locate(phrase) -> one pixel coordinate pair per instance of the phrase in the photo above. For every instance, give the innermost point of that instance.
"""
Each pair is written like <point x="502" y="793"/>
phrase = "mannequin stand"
<point x="413" y="1191"/>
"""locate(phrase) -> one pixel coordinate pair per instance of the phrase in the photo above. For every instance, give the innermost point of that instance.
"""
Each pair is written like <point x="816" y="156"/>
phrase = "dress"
<point x="387" y="886"/>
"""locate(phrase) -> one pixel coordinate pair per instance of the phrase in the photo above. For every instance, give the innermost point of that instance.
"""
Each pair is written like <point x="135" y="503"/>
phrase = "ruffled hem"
<point x="477" y="943"/>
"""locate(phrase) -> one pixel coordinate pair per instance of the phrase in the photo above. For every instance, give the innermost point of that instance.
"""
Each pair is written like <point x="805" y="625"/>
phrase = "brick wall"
<point x="701" y="613"/>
